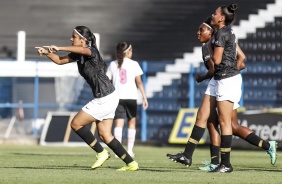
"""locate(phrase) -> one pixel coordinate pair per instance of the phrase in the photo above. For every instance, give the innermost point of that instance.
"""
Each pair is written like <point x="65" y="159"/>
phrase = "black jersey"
<point x="206" y="55"/>
<point x="93" y="70"/>
<point x="228" y="67"/>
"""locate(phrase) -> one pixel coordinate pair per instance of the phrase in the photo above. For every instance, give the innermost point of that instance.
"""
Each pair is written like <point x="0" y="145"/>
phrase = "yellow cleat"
<point x="101" y="158"/>
<point x="132" y="166"/>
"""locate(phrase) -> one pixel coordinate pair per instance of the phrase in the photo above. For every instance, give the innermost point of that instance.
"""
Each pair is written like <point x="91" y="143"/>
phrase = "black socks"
<point x="225" y="148"/>
<point x="257" y="141"/>
<point x="119" y="150"/>
<point x="214" y="150"/>
<point x="89" y="138"/>
<point x="193" y="141"/>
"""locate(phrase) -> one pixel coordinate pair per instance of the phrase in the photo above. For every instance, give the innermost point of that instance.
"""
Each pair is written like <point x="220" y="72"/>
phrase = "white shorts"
<point x="226" y="89"/>
<point x="102" y="108"/>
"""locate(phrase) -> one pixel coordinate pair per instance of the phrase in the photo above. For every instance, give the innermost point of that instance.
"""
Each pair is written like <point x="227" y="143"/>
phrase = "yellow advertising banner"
<point x="183" y="126"/>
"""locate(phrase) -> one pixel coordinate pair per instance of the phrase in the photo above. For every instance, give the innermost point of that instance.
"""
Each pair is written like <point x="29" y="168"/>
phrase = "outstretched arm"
<point x="49" y="52"/>
<point x="54" y="57"/>
<point x="74" y="49"/>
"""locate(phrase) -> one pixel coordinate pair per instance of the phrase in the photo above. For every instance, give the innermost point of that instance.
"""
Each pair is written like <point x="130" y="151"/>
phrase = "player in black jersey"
<point x="225" y="93"/>
<point x="205" y="33"/>
<point x="102" y="108"/>
<point x="227" y="78"/>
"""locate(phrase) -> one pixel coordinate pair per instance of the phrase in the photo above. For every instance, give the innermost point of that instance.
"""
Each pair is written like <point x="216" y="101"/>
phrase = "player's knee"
<point x="75" y="124"/>
<point x="105" y="136"/>
<point x="235" y="129"/>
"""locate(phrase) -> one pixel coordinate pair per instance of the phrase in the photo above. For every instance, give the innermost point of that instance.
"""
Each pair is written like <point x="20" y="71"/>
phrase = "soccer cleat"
<point x="132" y="166"/>
<point x="101" y="158"/>
<point x="223" y="169"/>
<point x="272" y="152"/>
<point x="180" y="158"/>
<point x="209" y="166"/>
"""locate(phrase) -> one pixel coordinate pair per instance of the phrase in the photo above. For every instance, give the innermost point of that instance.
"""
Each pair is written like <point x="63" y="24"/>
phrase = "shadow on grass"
<point x="164" y="169"/>
<point x="49" y="154"/>
<point x="52" y="167"/>
<point x="261" y="169"/>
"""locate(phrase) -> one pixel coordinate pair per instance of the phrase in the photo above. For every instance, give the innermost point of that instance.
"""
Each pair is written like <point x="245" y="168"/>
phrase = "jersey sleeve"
<point x="219" y="39"/>
<point x="73" y="56"/>
<point x="138" y="70"/>
<point x="109" y="72"/>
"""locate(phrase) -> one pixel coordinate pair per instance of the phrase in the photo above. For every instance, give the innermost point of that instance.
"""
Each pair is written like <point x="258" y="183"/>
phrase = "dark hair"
<point x="89" y="36"/>
<point x="229" y="12"/>
<point x="121" y="47"/>
<point x="208" y="22"/>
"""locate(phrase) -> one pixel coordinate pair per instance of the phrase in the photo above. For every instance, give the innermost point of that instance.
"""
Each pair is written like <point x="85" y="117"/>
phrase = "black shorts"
<point x="126" y="108"/>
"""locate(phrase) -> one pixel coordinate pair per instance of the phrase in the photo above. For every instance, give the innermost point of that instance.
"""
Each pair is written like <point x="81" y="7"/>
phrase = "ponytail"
<point x="229" y="12"/>
<point x="121" y="49"/>
<point x="232" y="7"/>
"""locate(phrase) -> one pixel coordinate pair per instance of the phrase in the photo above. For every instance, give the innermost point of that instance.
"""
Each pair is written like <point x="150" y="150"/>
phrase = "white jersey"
<point x="124" y="78"/>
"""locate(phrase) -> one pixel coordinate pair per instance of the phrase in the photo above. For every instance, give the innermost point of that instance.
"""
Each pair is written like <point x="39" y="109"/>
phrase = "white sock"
<point x="130" y="139"/>
<point x="118" y="133"/>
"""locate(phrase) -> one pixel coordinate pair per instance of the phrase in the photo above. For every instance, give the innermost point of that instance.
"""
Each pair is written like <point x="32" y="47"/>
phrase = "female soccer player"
<point x="125" y="74"/>
<point x="101" y="109"/>
<point x="227" y="78"/>
<point x="224" y="89"/>
<point x="205" y="33"/>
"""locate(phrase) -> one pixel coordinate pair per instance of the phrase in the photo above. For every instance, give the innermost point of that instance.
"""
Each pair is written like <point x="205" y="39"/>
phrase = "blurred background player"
<point x="101" y="109"/>
<point x="125" y="74"/>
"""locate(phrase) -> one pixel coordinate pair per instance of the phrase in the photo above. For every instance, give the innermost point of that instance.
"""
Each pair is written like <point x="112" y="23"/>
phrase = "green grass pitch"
<point x="37" y="164"/>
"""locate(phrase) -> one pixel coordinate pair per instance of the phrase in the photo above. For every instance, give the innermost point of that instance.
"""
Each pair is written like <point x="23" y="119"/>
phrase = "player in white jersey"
<point x="125" y="74"/>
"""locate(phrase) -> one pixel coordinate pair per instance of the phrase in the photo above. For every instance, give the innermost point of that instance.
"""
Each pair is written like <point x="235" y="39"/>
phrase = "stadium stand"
<point x="159" y="30"/>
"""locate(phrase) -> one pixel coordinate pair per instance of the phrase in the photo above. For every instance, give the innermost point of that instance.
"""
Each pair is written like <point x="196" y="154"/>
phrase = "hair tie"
<point x="127" y="49"/>
<point x="79" y="34"/>
<point x="207" y="25"/>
